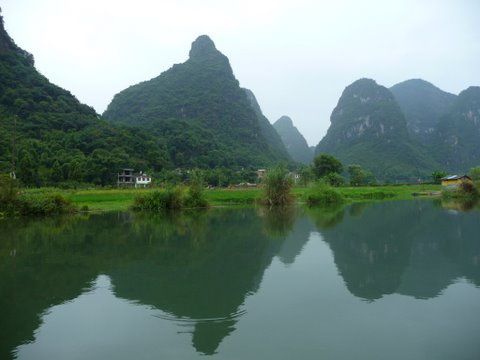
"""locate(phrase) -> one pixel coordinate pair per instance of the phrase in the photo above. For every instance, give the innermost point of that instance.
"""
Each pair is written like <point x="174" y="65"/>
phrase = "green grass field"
<point x="122" y="199"/>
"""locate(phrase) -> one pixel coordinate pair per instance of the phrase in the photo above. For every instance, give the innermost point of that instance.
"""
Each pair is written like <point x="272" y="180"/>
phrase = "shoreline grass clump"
<point x="170" y="199"/>
<point x="48" y="204"/>
<point x="278" y="187"/>
<point x="321" y="194"/>
<point x="13" y="202"/>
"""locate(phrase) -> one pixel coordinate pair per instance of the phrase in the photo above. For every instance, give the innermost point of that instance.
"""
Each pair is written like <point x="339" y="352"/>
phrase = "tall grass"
<point x="13" y="202"/>
<point x="277" y="187"/>
<point x="321" y="194"/>
<point x="174" y="198"/>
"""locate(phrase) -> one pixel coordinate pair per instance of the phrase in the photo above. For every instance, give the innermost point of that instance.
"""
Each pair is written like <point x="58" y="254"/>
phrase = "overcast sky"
<point x="297" y="56"/>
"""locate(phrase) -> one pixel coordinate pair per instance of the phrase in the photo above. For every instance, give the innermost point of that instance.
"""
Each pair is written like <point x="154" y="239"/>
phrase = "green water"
<point x="393" y="280"/>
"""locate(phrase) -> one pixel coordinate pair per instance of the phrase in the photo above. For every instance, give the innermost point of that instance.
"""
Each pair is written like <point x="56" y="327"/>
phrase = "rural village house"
<point x="127" y="178"/>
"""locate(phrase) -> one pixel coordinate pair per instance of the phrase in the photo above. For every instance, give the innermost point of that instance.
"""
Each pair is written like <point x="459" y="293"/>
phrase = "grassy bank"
<point x="116" y="199"/>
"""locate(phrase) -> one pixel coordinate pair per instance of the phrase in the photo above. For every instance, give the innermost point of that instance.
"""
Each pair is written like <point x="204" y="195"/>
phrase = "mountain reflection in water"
<point x="197" y="270"/>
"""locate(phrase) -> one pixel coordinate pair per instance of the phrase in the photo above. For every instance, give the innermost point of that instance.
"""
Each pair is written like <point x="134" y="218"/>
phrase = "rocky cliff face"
<point x="423" y="104"/>
<point x="209" y="118"/>
<point x="457" y="138"/>
<point x="294" y="141"/>
<point x="273" y="138"/>
<point x="369" y="129"/>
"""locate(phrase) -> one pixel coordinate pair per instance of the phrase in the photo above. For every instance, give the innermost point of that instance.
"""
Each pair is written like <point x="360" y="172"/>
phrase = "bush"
<point x="159" y="200"/>
<point x="334" y="179"/>
<point x="278" y="187"/>
<point x="325" y="164"/>
<point x="437" y="176"/>
<point x="43" y="204"/>
<point x="8" y="193"/>
<point x="174" y="198"/>
<point x="14" y="203"/>
<point x="195" y="196"/>
<point x="322" y="194"/>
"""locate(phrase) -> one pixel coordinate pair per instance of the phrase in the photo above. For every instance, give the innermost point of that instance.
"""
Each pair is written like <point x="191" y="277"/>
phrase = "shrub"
<point x="195" y="196"/>
<point x="159" y="200"/>
<point x="43" y="204"/>
<point x="437" y="176"/>
<point x="14" y="203"/>
<point x="278" y="187"/>
<point x="325" y="164"/>
<point x="8" y="193"/>
<point x="334" y="179"/>
<point x="323" y="195"/>
<point x="475" y="173"/>
<point x="174" y="198"/>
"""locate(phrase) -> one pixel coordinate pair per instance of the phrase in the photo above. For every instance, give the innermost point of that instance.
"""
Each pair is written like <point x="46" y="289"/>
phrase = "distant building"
<point x="455" y="180"/>
<point x="294" y="176"/>
<point x="142" y="180"/>
<point x="261" y="173"/>
<point x="127" y="178"/>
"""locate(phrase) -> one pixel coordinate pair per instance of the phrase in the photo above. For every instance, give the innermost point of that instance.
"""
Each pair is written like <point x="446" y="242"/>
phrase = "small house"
<point x="142" y="180"/>
<point x="455" y="180"/>
<point x="261" y="173"/>
<point x="128" y="178"/>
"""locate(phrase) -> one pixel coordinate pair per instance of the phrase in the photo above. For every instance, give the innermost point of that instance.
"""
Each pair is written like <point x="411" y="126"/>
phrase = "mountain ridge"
<point x="201" y="95"/>
<point x="294" y="141"/>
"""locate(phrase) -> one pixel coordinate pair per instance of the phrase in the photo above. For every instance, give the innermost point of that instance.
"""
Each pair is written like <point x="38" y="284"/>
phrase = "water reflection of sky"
<point x="391" y="280"/>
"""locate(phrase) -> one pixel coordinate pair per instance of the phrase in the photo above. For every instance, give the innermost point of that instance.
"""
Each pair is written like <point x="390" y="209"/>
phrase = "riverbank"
<point x="122" y="199"/>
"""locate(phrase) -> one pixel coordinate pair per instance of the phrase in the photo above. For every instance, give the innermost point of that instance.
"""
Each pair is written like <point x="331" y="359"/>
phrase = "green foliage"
<point x="306" y="175"/>
<point x="277" y="187"/>
<point x="322" y="194"/>
<point x="359" y="176"/>
<point x="456" y="136"/>
<point x="8" y="193"/>
<point x="437" y="176"/>
<point x="58" y="138"/>
<point x="369" y="129"/>
<point x="198" y="108"/>
<point x="195" y="196"/>
<point x="172" y="198"/>
<point x="13" y="202"/>
<point x="44" y="204"/>
<point x="334" y="179"/>
<point x="324" y="164"/>
<point x="159" y="200"/>
<point x="475" y="173"/>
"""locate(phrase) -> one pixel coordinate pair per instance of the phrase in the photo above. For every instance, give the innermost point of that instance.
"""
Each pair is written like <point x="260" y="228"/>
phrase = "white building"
<point x="142" y="180"/>
<point x="128" y="178"/>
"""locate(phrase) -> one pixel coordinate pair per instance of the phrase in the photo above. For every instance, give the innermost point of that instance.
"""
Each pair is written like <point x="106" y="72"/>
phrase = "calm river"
<point x="391" y="280"/>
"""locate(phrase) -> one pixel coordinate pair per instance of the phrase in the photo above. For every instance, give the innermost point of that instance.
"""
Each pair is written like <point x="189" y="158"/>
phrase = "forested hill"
<point x="202" y="113"/>
<point x="57" y="138"/>
<point x="294" y="141"/>
<point x="273" y="139"/>
<point x="423" y="104"/>
<point x="368" y="128"/>
<point x="457" y="138"/>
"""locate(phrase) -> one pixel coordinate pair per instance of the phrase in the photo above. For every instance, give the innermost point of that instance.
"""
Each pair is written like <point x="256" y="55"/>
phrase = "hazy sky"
<point x="297" y="56"/>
